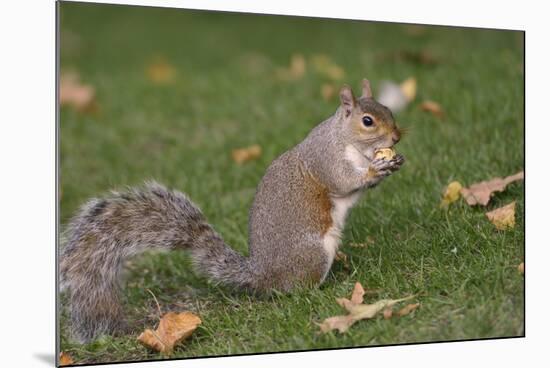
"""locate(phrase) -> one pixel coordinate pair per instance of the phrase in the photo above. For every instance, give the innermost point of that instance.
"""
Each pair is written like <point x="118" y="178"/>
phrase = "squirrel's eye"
<point x="367" y="121"/>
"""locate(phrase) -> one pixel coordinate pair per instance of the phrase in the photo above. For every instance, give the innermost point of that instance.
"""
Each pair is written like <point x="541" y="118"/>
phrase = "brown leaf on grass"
<point x="356" y="297"/>
<point x="65" y="359"/>
<point x="325" y="66"/>
<point x="74" y="93"/>
<point x="422" y="57"/>
<point x="521" y="268"/>
<point x="340" y="323"/>
<point x="358" y="293"/>
<point x="451" y="194"/>
<point x="432" y="107"/>
<point x="388" y="313"/>
<point x="172" y="329"/>
<point x="328" y="91"/>
<point x="503" y="217"/>
<point x="368" y="241"/>
<point x="242" y="155"/>
<point x="161" y="71"/>
<point x="296" y="69"/>
<point x="481" y="193"/>
<point x="356" y="310"/>
<point x="407" y="309"/>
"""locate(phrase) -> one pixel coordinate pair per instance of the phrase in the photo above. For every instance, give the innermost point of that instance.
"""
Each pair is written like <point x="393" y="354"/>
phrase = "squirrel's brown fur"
<point x="295" y="222"/>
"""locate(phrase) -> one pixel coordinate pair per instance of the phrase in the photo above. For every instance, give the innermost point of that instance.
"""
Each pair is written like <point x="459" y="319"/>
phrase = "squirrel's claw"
<point x="380" y="165"/>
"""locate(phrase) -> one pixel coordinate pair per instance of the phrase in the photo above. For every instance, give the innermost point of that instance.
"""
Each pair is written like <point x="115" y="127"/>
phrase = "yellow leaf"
<point x="172" y="329"/>
<point x="452" y="193"/>
<point x="503" y="217"/>
<point x="325" y="66"/>
<point x="297" y="66"/>
<point x="408" y="87"/>
<point x="242" y="155"/>
<point x="327" y="91"/>
<point x="65" y="359"/>
<point x="296" y="70"/>
<point x="161" y="72"/>
<point x="521" y="268"/>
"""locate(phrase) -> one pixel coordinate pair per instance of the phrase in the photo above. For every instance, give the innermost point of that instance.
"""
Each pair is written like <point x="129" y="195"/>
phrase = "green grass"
<point x="226" y="94"/>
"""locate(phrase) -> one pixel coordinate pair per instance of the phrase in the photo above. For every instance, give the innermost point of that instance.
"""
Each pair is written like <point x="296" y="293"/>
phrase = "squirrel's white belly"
<point x="340" y="208"/>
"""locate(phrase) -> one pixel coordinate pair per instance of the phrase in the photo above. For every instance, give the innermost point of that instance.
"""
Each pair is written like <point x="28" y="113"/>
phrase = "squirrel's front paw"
<point x="383" y="167"/>
<point x="380" y="168"/>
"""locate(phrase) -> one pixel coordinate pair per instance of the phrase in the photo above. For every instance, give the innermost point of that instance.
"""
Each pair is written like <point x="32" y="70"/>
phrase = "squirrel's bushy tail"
<point x="107" y="231"/>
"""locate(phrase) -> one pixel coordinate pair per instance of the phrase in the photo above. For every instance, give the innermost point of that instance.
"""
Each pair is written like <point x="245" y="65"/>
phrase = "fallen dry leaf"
<point x="296" y="69"/>
<point x="357" y="294"/>
<point x="451" y="194"/>
<point x="368" y="241"/>
<point x="356" y="297"/>
<point x="172" y="329"/>
<point x="420" y="57"/>
<point x="357" y="311"/>
<point x="74" y="93"/>
<point x="340" y="323"/>
<point x="65" y="359"/>
<point x="397" y="96"/>
<point x="388" y="313"/>
<point x="407" y="309"/>
<point x="503" y="217"/>
<point x="521" y="268"/>
<point x="408" y="87"/>
<point x="480" y="193"/>
<point x="242" y="155"/>
<point x="161" y="71"/>
<point x="325" y="66"/>
<point x="423" y="57"/>
<point x="328" y="91"/>
<point x="432" y="107"/>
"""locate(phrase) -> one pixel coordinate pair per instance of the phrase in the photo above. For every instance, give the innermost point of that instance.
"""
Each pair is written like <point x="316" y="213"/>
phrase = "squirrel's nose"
<point x="396" y="136"/>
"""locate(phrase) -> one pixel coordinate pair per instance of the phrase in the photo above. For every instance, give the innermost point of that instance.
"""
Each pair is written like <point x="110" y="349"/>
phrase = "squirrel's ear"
<point x="367" y="93"/>
<point x="347" y="99"/>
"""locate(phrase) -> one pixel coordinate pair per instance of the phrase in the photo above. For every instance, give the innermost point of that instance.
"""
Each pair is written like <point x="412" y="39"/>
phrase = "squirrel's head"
<point x="368" y="124"/>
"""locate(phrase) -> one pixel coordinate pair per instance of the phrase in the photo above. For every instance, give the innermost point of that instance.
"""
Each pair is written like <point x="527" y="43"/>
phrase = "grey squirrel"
<point x="295" y="222"/>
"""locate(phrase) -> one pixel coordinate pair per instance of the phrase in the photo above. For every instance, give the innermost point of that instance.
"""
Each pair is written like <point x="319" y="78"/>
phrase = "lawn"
<point x="225" y="91"/>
